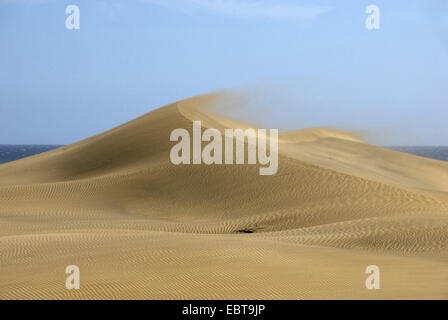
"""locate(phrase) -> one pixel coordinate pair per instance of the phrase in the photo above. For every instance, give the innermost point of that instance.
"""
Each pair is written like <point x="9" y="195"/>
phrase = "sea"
<point x="438" y="153"/>
<point x="11" y="152"/>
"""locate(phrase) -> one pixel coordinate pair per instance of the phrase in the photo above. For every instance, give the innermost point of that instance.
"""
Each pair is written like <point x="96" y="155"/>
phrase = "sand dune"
<point x="140" y="227"/>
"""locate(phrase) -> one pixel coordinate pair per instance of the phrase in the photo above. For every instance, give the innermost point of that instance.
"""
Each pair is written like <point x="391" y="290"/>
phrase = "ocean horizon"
<point x="12" y="152"/>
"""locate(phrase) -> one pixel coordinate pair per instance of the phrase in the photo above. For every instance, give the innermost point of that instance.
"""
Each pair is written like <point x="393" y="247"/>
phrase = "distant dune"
<point x="140" y="227"/>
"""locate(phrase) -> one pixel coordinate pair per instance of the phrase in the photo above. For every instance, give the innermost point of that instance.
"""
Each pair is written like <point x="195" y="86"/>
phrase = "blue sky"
<point x="306" y="63"/>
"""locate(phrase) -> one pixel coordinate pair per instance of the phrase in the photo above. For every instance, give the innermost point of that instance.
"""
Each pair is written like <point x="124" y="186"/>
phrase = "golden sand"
<point x="140" y="227"/>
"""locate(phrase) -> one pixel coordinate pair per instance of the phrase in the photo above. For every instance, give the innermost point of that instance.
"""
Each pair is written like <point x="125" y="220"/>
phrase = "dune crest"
<point x="140" y="227"/>
<point x="314" y="134"/>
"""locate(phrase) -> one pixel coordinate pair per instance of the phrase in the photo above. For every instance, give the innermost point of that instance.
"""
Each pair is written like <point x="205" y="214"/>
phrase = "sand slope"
<point x="140" y="227"/>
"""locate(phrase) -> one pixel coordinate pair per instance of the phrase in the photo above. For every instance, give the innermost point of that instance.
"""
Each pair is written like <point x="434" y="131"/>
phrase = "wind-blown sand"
<point x="140" y="227"/>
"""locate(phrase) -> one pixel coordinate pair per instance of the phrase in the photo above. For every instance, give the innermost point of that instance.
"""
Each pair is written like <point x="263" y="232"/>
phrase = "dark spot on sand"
<point x="245" y="231"/>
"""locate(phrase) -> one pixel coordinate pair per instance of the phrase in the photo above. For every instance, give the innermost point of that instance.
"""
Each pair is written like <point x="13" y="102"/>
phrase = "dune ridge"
<point x="140" y="227"/>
